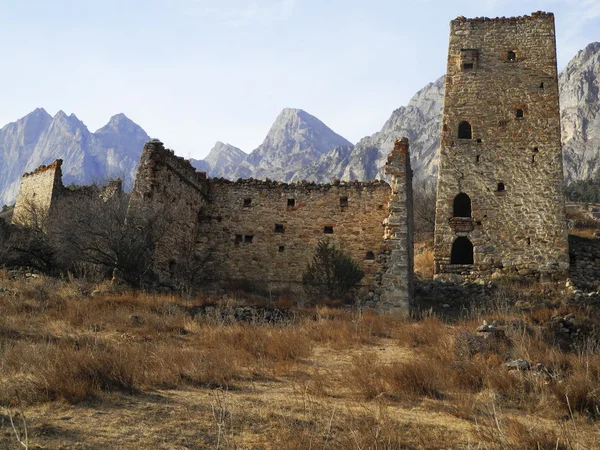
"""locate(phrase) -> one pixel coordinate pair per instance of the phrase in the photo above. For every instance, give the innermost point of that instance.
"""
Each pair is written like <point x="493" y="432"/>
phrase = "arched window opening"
<point x="172" y="267"/>
<point x="464" y="130"/>
<point x="500" y="188"/>
<point x="520" y="113"/>
<point x="511" y="56"/>
<point x="536" y="150"/>
<point x="462" y="205"/>
<point x="462" y="251"/>
<point x="370" y="256"/>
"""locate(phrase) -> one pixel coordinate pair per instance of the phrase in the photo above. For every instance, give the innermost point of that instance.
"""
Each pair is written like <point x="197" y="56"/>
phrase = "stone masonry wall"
<point x="267" y="231"/>
<point x="585" y="262"/>
<point x="38" y="193"/>
<point x="396" y="286"/>
<point x="502" y="80"/>
<point x="174" y="191"/>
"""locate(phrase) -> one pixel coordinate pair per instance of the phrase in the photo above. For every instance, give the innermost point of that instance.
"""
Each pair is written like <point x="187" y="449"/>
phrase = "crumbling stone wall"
<point x="396" y="286"/>
<point x="38" y="194"/>
<point x="585" y="262"/>
<point x="266" y="231"/>
<point x="171" y="189"/>
<point x="501" y="147"/>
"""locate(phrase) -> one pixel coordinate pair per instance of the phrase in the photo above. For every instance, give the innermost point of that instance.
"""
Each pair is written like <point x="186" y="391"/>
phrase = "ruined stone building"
<point x="500" y="205"/>
<point x="42" y="191"/>
<point x="266" y="232"/>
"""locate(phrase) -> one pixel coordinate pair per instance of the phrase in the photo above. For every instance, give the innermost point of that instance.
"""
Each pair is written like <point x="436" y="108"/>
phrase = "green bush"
<point x="332" y="273"/>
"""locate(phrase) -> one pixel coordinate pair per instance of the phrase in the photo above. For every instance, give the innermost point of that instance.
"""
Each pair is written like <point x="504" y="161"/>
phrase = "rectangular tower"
<point x="500" y="204"/>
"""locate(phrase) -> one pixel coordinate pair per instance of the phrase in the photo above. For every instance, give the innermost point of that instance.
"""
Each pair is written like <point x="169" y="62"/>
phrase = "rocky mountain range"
<point x="38" y="138"/>
<point x="298" y="146"/>
<point x="221" y="162"/>
<point x="295" y="140"/>
<point x="579" y="85"/>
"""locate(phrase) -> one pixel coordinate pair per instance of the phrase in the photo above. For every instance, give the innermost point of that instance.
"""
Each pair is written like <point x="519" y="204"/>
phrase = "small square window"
<point x="328" y="230"/>
<point x="380" y="207"/>
<point x="501" y="187"/>
<point x="291" y="202"/>
<point x="239" y="238"/>
<point x="520" y="114"/>
<point x="281" y="249"/>
<point x="468" y="66"/>
<point x="511" y="56"/>
<point x="343" y="202"/>
<point x="247" y="202"/>
<point x="279" y="228"/>
<point x="248" y="239"/>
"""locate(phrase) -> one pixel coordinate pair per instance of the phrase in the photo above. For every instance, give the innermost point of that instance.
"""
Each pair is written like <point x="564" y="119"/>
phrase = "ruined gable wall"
<point x="522" y="229"/>
<point x="172" y="188"/>
<point x="274" y="256"/>
<point x="397" y="284"/>
<point x="38" y="193"/>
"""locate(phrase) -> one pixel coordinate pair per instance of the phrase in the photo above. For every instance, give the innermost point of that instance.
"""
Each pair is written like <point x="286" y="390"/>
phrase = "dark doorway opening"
<point x="462" y="206"/>
<point x="462" y="251"/>
<point x="464" y="130"/>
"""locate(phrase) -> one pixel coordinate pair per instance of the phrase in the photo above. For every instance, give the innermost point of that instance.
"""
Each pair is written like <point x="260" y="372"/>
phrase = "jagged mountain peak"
<point x="295" y="140"/>
<point x="120" y="123"/>
<point x="39" y="138"/>
<point x="224" y="153"/>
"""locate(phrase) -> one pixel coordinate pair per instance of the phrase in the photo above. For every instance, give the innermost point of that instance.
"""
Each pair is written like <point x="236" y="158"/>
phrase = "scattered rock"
<point x="518" y="364"/>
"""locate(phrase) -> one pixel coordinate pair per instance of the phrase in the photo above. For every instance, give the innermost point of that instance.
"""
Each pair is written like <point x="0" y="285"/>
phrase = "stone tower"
<point x="500" y="205"/>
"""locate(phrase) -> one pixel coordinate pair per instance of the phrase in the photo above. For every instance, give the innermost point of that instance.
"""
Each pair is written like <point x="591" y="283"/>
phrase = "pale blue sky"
<point x="192" y="72"/>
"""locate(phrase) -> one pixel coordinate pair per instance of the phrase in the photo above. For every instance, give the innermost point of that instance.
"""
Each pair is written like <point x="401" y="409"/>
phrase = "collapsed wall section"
<point x="38" y="194"/>
<point x="267" y="232"/>
<point x="168" y="188"/>
<point x="397" y="284"/>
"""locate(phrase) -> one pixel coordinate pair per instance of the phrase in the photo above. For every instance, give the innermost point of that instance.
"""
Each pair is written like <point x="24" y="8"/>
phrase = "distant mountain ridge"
<point x="298" y="146"/>
<point x="38" y="138"/>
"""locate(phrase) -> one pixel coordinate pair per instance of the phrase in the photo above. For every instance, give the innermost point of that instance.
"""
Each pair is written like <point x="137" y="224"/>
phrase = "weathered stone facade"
<point x="42" y="195"/>
<point x="266" y="231"/>
<point x="585" y="262"/>
<point x="171" y="186"/>
<point x="396" y="284"/>
<point x="500" y="205"/>
<point x="38" y="194"/>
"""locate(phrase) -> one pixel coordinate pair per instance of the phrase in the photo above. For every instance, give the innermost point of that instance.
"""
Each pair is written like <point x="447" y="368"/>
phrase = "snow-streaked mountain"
<point x="579" y="85"/>
<point x="221" y="162"/>
<point x="295" y="140"/>
<point x="38" y="138"/>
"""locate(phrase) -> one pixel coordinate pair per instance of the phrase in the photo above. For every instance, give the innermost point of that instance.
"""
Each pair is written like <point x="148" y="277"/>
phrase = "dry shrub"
<point x="430" y="332"/>
<point x="367" y="376"/>
<point x="464" y="406"/>
<point x="511" y="434"/>
<point x="581" y="391"/>
<point x="417" y="378"/>
<point x="424" y="264"/>
<point x="421" y="377"/>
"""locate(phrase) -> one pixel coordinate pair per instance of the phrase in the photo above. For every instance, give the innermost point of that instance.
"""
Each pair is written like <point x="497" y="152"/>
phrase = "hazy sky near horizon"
<point x="192" y="72"/>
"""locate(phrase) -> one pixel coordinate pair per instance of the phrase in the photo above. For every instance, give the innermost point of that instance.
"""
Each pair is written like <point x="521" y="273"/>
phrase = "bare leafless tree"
<point x="424" y="197"/>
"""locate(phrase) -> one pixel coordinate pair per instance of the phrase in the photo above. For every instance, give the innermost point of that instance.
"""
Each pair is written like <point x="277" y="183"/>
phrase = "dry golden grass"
<point x="423" y="264"/>
<point x="133" y="370"/>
